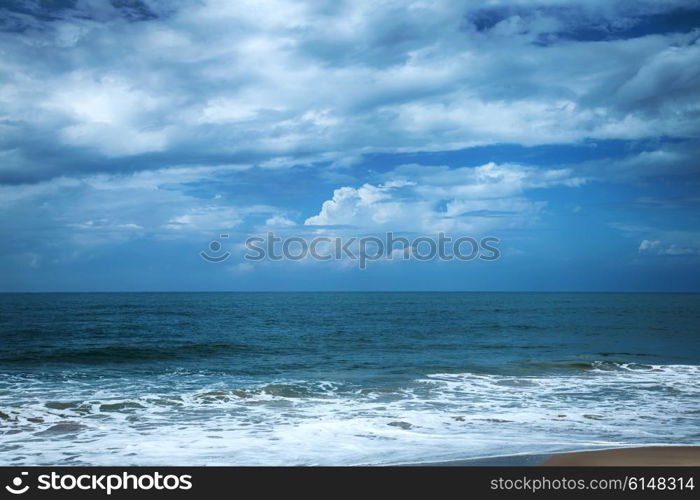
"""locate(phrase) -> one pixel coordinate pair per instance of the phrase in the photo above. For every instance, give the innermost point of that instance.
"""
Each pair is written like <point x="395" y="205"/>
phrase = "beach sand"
<point x="645" y="456"/>
<point x="674" y="456"/>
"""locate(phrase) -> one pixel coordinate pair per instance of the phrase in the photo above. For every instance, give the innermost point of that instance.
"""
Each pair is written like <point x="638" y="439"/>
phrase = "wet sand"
<point x="680" y="456"/>
<point x="675" y="456"/>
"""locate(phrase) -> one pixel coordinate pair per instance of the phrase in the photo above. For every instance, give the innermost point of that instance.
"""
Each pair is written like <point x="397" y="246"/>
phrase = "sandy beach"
<point x="673" y="456"/>
<point x="678" y="456"/>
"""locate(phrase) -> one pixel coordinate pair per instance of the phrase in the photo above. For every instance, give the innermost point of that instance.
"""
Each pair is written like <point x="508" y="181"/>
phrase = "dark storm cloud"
<point x="23" y="15"/>
<point x="122" y="86"/>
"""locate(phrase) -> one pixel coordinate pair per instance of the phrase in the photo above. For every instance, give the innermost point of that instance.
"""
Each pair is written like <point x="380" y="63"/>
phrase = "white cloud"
<point x="648" y="245"/>
<point x="109" y="113"/>
<point x="206" y="218"/>
<point x="430" y="199"/>
<point x="659" y="248"/>
<point x="279" y="221"/>
<point x="662" y="241"/>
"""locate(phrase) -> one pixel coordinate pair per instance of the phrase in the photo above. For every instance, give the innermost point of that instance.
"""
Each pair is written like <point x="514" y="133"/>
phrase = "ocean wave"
<point x="119" y="354"/>
<point x="609" y="365"/>
<point x="439" y="416"/>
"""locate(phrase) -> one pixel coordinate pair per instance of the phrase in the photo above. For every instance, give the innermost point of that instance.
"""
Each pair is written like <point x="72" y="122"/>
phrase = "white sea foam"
<point x="440" y="417"/>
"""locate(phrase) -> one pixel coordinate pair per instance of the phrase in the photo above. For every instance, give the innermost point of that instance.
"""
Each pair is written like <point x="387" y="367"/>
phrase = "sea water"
<point x="342" y="378"/>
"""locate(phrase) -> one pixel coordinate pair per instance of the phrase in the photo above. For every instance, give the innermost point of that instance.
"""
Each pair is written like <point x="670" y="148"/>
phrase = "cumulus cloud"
<point x="430" y="199"/>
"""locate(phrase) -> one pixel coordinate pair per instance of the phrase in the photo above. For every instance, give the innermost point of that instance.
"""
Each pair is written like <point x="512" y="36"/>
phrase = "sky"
<point x="133" y="133"/>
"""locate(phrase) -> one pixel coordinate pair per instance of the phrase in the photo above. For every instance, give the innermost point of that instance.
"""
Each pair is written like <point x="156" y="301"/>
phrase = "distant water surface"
<point x="342" y="378"/>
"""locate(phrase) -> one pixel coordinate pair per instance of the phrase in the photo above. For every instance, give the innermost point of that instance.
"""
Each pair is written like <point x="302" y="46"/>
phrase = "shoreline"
<point x="632" y="456"/>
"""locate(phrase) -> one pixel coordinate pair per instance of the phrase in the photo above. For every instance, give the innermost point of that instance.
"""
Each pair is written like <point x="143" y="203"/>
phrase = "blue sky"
<point x="133" y="133"/>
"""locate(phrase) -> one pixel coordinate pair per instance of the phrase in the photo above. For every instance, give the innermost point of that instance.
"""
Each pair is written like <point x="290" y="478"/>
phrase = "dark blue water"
<point x="342" y="378"/>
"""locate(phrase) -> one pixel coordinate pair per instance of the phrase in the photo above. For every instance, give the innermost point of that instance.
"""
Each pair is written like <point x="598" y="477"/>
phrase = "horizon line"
<point x="27" y="292"/>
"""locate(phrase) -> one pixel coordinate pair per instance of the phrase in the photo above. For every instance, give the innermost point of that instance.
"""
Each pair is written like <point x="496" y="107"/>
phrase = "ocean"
<point x="342" y="378"/>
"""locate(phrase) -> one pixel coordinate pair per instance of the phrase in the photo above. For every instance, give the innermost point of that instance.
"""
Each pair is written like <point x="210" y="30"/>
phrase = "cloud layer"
<point x="93" y="87"/>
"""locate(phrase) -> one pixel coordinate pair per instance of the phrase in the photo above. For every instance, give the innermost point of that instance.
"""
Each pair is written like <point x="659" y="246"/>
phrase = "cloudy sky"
<point x="133" y="133"/>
